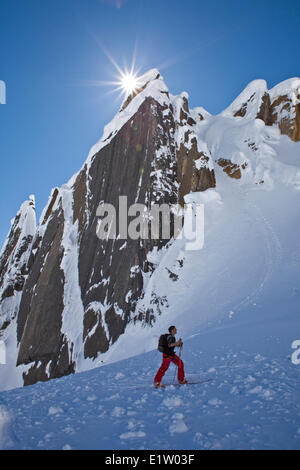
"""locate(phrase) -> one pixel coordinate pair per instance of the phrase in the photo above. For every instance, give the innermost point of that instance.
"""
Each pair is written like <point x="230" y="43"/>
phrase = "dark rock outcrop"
<point x="14" y="261"/>
<point x="231" y="169"/>
<point x="281" y="107"/>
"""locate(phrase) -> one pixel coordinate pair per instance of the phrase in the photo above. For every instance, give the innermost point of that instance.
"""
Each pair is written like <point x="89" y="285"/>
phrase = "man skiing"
<point x="170" y="356"/>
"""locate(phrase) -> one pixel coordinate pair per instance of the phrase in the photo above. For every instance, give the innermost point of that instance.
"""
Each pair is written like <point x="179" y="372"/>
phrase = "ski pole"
<point x="174" y="376"/>
<point x="178" y="366"/>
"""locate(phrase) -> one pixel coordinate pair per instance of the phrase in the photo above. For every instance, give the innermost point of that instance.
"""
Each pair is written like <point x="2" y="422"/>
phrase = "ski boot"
<point x="158" y="385"/>
<point x="182" y="382"/>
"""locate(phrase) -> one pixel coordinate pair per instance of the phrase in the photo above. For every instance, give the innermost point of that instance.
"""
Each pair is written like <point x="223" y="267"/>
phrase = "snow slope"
<point x="236" y="305"/>
<point x="251" y="403"/>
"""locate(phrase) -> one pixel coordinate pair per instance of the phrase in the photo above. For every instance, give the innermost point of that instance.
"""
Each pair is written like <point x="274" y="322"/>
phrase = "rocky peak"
<point x="247" y="104"/>
<point x="150" y="153"/>
<point x="279" y="106"/>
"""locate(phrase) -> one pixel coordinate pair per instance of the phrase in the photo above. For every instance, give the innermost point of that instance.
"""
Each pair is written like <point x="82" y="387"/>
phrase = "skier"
<point x="170" y="356"/>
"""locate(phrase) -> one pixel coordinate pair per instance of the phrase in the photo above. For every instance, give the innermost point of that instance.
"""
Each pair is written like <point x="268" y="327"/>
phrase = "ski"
<point x="188" y="383"/>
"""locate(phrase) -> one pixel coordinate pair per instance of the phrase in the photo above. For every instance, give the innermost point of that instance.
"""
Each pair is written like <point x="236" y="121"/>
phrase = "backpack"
<point x="163" y="343"/>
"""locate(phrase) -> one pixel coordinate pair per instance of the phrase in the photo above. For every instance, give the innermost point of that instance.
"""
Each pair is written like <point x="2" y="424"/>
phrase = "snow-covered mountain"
<point x="70" y="301"/>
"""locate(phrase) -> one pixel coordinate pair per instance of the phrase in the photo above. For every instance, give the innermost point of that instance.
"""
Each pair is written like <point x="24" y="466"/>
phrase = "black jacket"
<point x="170" y="340"/>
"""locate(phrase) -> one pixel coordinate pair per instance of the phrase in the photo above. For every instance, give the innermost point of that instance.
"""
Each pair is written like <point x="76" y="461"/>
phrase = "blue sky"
<point x="51" y="50"/>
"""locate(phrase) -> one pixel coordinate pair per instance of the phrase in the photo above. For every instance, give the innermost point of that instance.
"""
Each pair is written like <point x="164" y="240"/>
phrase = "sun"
<point x="128" y="82"/>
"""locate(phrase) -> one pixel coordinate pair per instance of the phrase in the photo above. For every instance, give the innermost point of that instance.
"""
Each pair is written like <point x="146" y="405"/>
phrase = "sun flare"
<point x="127" y="80"/>
<point x="129" y="83"/>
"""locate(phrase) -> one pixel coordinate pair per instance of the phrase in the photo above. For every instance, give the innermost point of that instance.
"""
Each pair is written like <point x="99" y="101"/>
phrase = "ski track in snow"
<point x="272" y="245"/>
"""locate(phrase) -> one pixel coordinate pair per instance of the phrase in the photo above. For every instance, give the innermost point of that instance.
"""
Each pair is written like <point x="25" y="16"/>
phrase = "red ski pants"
<point x="165" y="365"/>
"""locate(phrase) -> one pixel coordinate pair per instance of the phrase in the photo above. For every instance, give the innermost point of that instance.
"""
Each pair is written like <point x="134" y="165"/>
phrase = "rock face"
<point x="14" y="261"/>
<point x="231" y="169"/>
<point x="284" y="111"/>
<point x="75" y="294"/>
